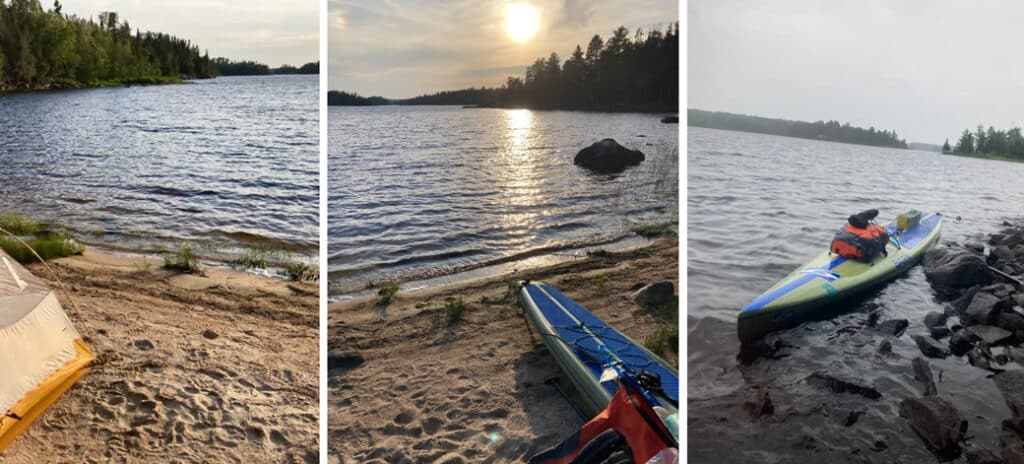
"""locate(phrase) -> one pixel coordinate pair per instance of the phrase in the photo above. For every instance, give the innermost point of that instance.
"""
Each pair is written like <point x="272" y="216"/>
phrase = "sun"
<point x="521" y="21"/>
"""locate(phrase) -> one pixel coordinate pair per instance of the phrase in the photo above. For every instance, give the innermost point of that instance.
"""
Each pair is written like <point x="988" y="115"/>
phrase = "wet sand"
<point x="473" y="391"/>
<point x="215" y="368"/>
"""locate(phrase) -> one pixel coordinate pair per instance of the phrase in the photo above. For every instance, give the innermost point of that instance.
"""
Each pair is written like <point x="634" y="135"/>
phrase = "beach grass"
<point x="259" y="257"/>
<point x="664" y="341"/>
<point x="48" y="245"/>
<point x="302" y="272"/>
<point x="654" y="230"/>
<point x="183" y="259"/>
<point x="386" y="294"/>
<point x="454" y="310"/>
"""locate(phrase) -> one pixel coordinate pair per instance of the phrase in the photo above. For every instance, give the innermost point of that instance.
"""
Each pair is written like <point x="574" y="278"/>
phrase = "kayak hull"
<point x="809" y="292"/>
<point x="555" y="317"/>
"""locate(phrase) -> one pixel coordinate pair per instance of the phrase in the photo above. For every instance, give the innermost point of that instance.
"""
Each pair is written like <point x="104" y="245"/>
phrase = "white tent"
<point x="41" y="353"/>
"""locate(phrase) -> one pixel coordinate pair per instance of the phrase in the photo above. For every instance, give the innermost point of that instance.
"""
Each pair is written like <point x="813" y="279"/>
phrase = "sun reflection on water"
<point x="519" y="178"/>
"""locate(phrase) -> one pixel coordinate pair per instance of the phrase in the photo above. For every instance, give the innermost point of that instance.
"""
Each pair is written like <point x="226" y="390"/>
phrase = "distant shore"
<point x="190" y="366"/>
<point x="6" y="88"/>
<point x="987" y="156"/>
<point x="455" y="372"/>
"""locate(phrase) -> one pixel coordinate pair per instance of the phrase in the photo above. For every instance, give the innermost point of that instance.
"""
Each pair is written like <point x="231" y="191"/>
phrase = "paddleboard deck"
<point x="574" y="336"/>
<point x="828" y="278"/>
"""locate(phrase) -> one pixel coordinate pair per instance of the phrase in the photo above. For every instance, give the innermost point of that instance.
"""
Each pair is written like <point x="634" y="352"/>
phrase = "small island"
<point x="830" y="131"/>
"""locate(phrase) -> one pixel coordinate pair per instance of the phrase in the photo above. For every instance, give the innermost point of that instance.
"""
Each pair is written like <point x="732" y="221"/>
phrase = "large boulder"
<point x="607" y="156"/>
<point x="984" y="309"/>
<point x="659" y="299"/>
<point x="949" y="268"/>
<point x="931" y="347"/>
<point x="989" y="334"/>
<point x="937" y="422"/>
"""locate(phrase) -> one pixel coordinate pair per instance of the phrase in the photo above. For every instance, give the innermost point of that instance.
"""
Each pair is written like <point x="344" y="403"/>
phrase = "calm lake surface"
<point x="232" y="160"/>
<point x="418" y="192"/>
<point x="759" y="206"/>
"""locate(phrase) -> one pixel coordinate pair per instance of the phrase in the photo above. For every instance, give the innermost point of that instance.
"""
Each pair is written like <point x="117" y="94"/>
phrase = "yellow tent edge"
<point x="39" y="399"/>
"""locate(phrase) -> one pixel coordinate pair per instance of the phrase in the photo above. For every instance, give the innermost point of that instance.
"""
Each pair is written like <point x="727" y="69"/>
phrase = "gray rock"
<point x="937" y="422"/>
<point x="962" y="341"/>
<point x="991" y="335"/>
<point x="931" y="347"/>
<point x="892" y="327"/>
<point x="1002" y="253"/>
<point x="982" y="309"/>
<point x="923" y="374"/>
<point x="1015" y="354"/>
<point x="981" y="456"/>
<point x="1011" y="385"/>
<point x="607" y="156"/>
<point x="1010" y="321"/>
<point x="975" y="246"/>
<point x="657" y="297"/>
<point x="1012" y="240"/>
<point x="999" y="290"/>
<point x="961" y="303"/>
<point x="344" y="359"/>
<point x="939" y="332"/>
<point x="1011" y="439"/>
<point x="951" y="267"/>
<point x="934" y="318"/>
<point x="979" y="359"/>
<point x="884" y="349"/>
<point x="836" y="385"/>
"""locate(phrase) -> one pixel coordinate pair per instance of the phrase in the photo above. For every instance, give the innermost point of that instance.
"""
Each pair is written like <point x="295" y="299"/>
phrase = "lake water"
<point x="758" y="207"/>
<point x="233" y="160"/>
<point x="417" y="192"/>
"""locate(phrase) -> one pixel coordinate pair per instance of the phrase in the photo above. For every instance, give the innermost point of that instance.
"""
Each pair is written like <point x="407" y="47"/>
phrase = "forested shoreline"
<point x="830" y="131"/>
<point x="226" y="67"/>
<point x="991" y="143"/>
<point x="624" y="73"/>
<point x="45" y="49"/>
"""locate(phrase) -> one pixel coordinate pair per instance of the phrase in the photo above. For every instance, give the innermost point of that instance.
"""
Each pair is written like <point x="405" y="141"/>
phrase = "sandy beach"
<point x="475" y="390"/>
<point x="214" y="368"/>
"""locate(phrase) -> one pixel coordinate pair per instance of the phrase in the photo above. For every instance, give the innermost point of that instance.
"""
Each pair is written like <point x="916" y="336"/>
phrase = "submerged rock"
<point x="923" y="374"/>
<point x="934" y="318"/>
<point x="931" y="347"/>
<point x="607" y="156"/>
<point x="950" y="268"/>
<point x="822" y="380"/>
<point x="937" y="422"/>
<point x="892" y="327"/>
<point x="1011" y="385"/>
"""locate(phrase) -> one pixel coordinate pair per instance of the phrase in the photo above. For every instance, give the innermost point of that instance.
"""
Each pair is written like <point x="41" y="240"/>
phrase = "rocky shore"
<point x="982" y="321"/>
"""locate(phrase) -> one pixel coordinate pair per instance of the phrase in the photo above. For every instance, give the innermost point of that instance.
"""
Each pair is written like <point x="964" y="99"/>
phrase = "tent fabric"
<point x="41" y="353"/>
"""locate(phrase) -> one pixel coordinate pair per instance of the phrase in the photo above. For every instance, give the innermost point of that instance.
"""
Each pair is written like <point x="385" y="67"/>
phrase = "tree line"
<point x="47" y="48"/>
<point x="626" y="72"/>
<point x="820" y="130"/>
<point x="226" y="67"/>
<point x="1009" y="143"/>
<point x="340" y="98"/>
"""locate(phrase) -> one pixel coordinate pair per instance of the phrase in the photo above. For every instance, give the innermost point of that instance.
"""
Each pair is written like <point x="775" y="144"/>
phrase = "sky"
<point x="927" y="69"/>
<point x="272" y="32"/>
<point x="400" y="49"/>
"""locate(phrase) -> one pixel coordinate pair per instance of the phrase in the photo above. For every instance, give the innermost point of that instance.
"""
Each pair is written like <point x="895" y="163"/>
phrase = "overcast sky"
<point x="269" y="31"/>
<point x="927" y="69"/>
<point x="401" y="49"/>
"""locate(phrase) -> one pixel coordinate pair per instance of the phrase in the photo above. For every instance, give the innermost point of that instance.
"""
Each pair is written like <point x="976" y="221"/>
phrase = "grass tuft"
<point x="50" y="247"/>
<point x="184" y="259"/>
<point x="664" y="342"/>
<point x="302" y="272"/>
<point x="386" y="293"/>
<point x="18" y="224"/>
<point x="258" y="257"/>
<point x="454" y="309"/>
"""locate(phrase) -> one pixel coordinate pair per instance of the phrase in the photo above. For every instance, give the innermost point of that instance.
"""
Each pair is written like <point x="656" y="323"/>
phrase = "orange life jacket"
<point x="630" y="416"/>
<point x="861" y="244"/>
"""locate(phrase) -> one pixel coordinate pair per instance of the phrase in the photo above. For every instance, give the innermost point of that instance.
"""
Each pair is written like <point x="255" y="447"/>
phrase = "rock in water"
<point x="1012" y="440"/>
<point x="931" y="347"/>
<point x="836" y="385"/>
<point x="607" y="156"/>
<point x="937" y="422"/>
<point x="982" y="309"/>
<point x="934" y="319"/>
<point x="951" y="268"/>
<point x="989" y="334"/>
<point x="962" y="341"/>
<point x="923" y="374"/>
<point x="1011" y="384"/>
<point x="892" y="327"/>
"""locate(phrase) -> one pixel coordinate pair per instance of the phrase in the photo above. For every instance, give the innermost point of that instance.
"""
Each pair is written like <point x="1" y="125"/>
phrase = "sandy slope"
<point x="221" y="368"/>
<point x="475" y="391"/>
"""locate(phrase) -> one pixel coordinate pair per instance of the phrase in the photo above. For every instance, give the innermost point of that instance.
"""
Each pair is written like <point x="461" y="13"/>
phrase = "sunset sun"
<point x="521" y="21"/>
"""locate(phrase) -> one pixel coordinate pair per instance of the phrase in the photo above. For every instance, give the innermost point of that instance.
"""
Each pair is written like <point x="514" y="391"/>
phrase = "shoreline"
<point x="188" y="366"/>
<point x="135" y="82"/>
<point x="407" y="385"/>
